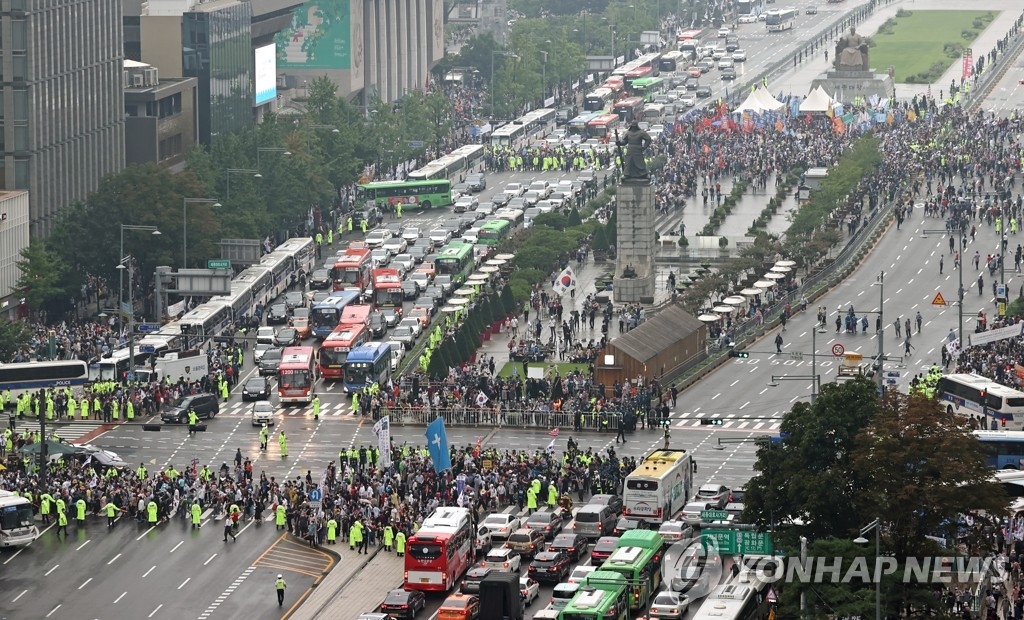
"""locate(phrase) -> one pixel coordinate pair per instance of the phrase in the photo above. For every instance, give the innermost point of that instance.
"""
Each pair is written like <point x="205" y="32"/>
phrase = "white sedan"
<point x="747" y="19"/>
<point x="501" y="525"/>
<point x="529" y="590"/>
<point x="395" y="245"/>
<point x="440" y="236"/>
<point x="739" y="56"/>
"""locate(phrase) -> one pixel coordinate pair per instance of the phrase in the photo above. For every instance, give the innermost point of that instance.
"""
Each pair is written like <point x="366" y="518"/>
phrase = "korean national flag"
<point x="437" y="445"/>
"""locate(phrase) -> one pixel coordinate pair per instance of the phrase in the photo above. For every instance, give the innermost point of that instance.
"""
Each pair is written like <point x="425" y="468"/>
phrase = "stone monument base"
<point x="846" y="85"/>
<point x="634" y="290"/>
<point x="635" y="250"/>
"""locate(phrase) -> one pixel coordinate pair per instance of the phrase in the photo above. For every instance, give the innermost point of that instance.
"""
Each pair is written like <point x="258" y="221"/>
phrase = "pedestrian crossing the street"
<point x="689" y="419"/>
<point x="327" y="410"/>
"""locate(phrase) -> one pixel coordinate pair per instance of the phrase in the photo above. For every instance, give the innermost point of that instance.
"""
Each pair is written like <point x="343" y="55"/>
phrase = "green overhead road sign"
<point x="218" y="264"/>
<point x="713" y="515"/>
<point x="739" y="542"/>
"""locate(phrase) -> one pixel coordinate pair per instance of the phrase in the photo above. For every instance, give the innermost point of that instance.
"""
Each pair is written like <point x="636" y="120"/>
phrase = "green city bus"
<point x="424" y="194"/>
<point x="494" y="232"/>
<point x="648" y="539"/>
<point x="648" y="87"/>
<point x="602" y="596"/>
<point x="455" y="259"/>
<point x="641" y="566"/>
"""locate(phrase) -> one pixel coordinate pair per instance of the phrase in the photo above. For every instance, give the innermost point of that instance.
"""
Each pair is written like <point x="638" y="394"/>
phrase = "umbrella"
<point x="764" y="284"/>
<point x="504" y="256"/>
<point x="785" y="263"/>
<point x="709" y="318"/>
<point x="465" y="291"/>
<point x="723" y="309"/>
<point x="734" y="301"/>
<point x="750" y="292"/>
<point x="777" y="269"/>
<point x="775" y="276"/>
<point x="52" y="447"/>
<point x="496" y="262"/>
<point x="479" y="277"/>
<point x="450" y="309"/>
<point x="458" y="301"/>
<point x="488" y="269"/>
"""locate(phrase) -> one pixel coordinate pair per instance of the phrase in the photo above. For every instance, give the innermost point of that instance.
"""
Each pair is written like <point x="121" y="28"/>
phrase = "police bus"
<point x="997" y="406"/>
<point x="17" y="524"/>
<point x="35" y="376"/>
<point x="777" y="20"/>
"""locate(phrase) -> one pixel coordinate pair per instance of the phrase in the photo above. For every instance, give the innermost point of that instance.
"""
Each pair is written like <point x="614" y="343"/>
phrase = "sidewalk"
<point x="357" y="585"/>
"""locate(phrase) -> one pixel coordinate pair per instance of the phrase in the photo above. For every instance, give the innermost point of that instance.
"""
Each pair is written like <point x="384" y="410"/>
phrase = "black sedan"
<point x="320" y="279"/>
<point x="550" y="566"/>
<point x="286" y="337"/>
<point x="572" y="545"/>
<point x="277" y="314"/>
<point x="256" y="388"/>
<point x="403" y="603"/>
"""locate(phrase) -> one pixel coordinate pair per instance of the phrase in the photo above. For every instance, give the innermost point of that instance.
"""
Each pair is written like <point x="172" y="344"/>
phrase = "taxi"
<point x="301" y="325"/>
<point x="460" y="607"/>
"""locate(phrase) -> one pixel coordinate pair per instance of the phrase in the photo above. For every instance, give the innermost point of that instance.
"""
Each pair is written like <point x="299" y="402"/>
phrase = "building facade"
<point x="160" y="116"/>
<point x="14" y="237"/>
<point x="62" y="114"/>
<point x="369" y="48"/>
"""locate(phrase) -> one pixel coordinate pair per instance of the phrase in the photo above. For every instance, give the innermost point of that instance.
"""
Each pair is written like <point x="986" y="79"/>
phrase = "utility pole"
<point x="879" y="375"/>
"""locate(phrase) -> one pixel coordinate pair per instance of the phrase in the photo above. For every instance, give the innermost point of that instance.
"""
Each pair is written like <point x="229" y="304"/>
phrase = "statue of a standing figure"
<point x="852" y="52"/>
<point x="636" y="140"/>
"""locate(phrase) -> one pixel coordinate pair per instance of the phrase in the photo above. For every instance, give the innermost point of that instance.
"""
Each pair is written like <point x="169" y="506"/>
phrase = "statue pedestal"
<point x="634" y="242"/>
<point x="846" y="85"/>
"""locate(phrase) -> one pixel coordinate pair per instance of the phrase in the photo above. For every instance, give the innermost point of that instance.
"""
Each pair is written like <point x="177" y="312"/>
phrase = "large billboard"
<point x="319" y="37"/>
<point x="266" y="73"/>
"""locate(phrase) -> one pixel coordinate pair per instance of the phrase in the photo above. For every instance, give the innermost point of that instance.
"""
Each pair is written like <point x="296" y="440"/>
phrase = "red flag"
<point x="553" y="432"/>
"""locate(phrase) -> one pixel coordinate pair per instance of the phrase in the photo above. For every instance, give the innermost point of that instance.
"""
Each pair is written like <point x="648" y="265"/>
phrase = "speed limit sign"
<point x="838" y="350"/>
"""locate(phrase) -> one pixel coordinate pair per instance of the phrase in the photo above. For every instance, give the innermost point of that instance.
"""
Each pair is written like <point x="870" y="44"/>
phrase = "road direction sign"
<point x="713" y="515"/>
<point x="147" y="348"/>
<point x="838" y="349"/>
<point x="147" y="328"/>
<point x="218" y="263"/>
<point x="416" y="144"/>
<point x="739" y="542"/>
<point x="939" y="300"/>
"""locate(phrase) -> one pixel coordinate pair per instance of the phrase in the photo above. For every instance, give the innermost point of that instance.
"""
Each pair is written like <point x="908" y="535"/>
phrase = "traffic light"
<point x="743" y="354"/>
<point x="710" y="422"/>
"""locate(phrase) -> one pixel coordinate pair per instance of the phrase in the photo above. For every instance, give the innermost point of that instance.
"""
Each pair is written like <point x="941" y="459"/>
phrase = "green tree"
<point x="13" y="336"/>
<point x="43" y="279"/>
<point x="810" y="474"/>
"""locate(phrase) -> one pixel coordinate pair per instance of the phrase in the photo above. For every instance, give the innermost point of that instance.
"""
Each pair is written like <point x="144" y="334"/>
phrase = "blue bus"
<point x="326" y="315"/>
<point x="367" y="364"/>
<point x="1003" y="449"/>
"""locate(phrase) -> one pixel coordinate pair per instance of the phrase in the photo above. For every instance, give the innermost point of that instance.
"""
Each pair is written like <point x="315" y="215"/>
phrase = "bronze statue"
<point x="852" y="52"/>
<point x="636" y="140"/>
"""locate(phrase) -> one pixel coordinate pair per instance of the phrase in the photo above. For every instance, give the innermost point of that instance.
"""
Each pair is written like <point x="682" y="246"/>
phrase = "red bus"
<point x="296" y="375"/>
<point x="630" y="109"/>
<point x="387" y="288"/>
<point x="335" y="348"/>
<point x="688" y="35"/>
<point x="614" y="84"/>
<point x="358" y="314"/>
<point x="603" y="127"/>
<point x="440" y="551"/>
<point x="636" y="74"/>
<point x="352" y="269"/>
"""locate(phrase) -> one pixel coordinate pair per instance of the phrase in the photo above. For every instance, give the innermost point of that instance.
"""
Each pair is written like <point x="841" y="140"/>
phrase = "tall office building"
<point x="63" y="113"/>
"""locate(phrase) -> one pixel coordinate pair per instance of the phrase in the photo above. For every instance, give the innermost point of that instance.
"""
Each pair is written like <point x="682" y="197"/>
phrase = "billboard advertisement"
<point x="318" y="37"/>
<point x="266" y="74"/>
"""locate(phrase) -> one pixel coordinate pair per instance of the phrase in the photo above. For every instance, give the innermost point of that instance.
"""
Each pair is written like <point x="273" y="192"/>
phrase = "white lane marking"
<point x="47" y="573"/>
<point x="151" y="569"/>
<point x="116" y="600"/>
<point x="85" y="583"/>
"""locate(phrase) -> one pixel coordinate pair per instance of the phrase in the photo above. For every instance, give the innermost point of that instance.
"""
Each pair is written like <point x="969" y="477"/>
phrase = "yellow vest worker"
<point x="332" y="531"/>
<point x="152" y="512"/>
<point x="400" y="543"/>
<point x="389" y="538"/>
<point x="112" y="511"/>
<point x="283" y="442"/>
<point x="281" y="517"/>
<point x="280" y="585"/>
<point x="80" y="512"/>
<point x="197" y="514"/>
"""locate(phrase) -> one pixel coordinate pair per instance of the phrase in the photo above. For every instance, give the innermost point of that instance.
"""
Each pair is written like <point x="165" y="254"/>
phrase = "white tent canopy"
<point x="817" y="101"/>
<point x="759" y="101"/>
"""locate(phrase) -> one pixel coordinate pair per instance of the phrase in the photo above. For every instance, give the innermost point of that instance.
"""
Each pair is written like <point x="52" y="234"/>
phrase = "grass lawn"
<point x="563" y="368"/>
<point x="917" y="41"/>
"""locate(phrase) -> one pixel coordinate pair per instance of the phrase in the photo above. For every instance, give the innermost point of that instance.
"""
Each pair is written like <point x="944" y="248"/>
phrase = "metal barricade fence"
<point x="489" y="417"/>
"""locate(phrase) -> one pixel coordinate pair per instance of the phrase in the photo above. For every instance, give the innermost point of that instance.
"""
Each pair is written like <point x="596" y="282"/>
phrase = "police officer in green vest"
<point x="280" y="585"/>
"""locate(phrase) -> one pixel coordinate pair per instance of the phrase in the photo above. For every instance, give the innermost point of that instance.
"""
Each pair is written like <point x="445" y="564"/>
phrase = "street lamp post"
<point x="120" y="287"/>
<point x="270" y="149"/>
<point x="493" y="54"/>
<point x="185" y="202"/>
<point x="880" y="281"/>
<point x="860" y="540"/>
<point x="230" y="171"/>
<point x="543" y="76"/>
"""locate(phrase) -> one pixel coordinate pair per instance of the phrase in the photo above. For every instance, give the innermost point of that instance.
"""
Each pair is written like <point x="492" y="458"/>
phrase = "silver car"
<point x="669" y="605"/>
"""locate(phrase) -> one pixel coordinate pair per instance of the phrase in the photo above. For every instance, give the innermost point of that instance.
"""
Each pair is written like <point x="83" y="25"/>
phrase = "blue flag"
<point x="437" y="445"/>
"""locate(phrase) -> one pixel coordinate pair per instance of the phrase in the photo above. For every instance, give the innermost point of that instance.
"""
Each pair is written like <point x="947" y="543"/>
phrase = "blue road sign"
<point x="315" y="495"/>
<point x="147" y="348"/>
<point x="147" y="328"/>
